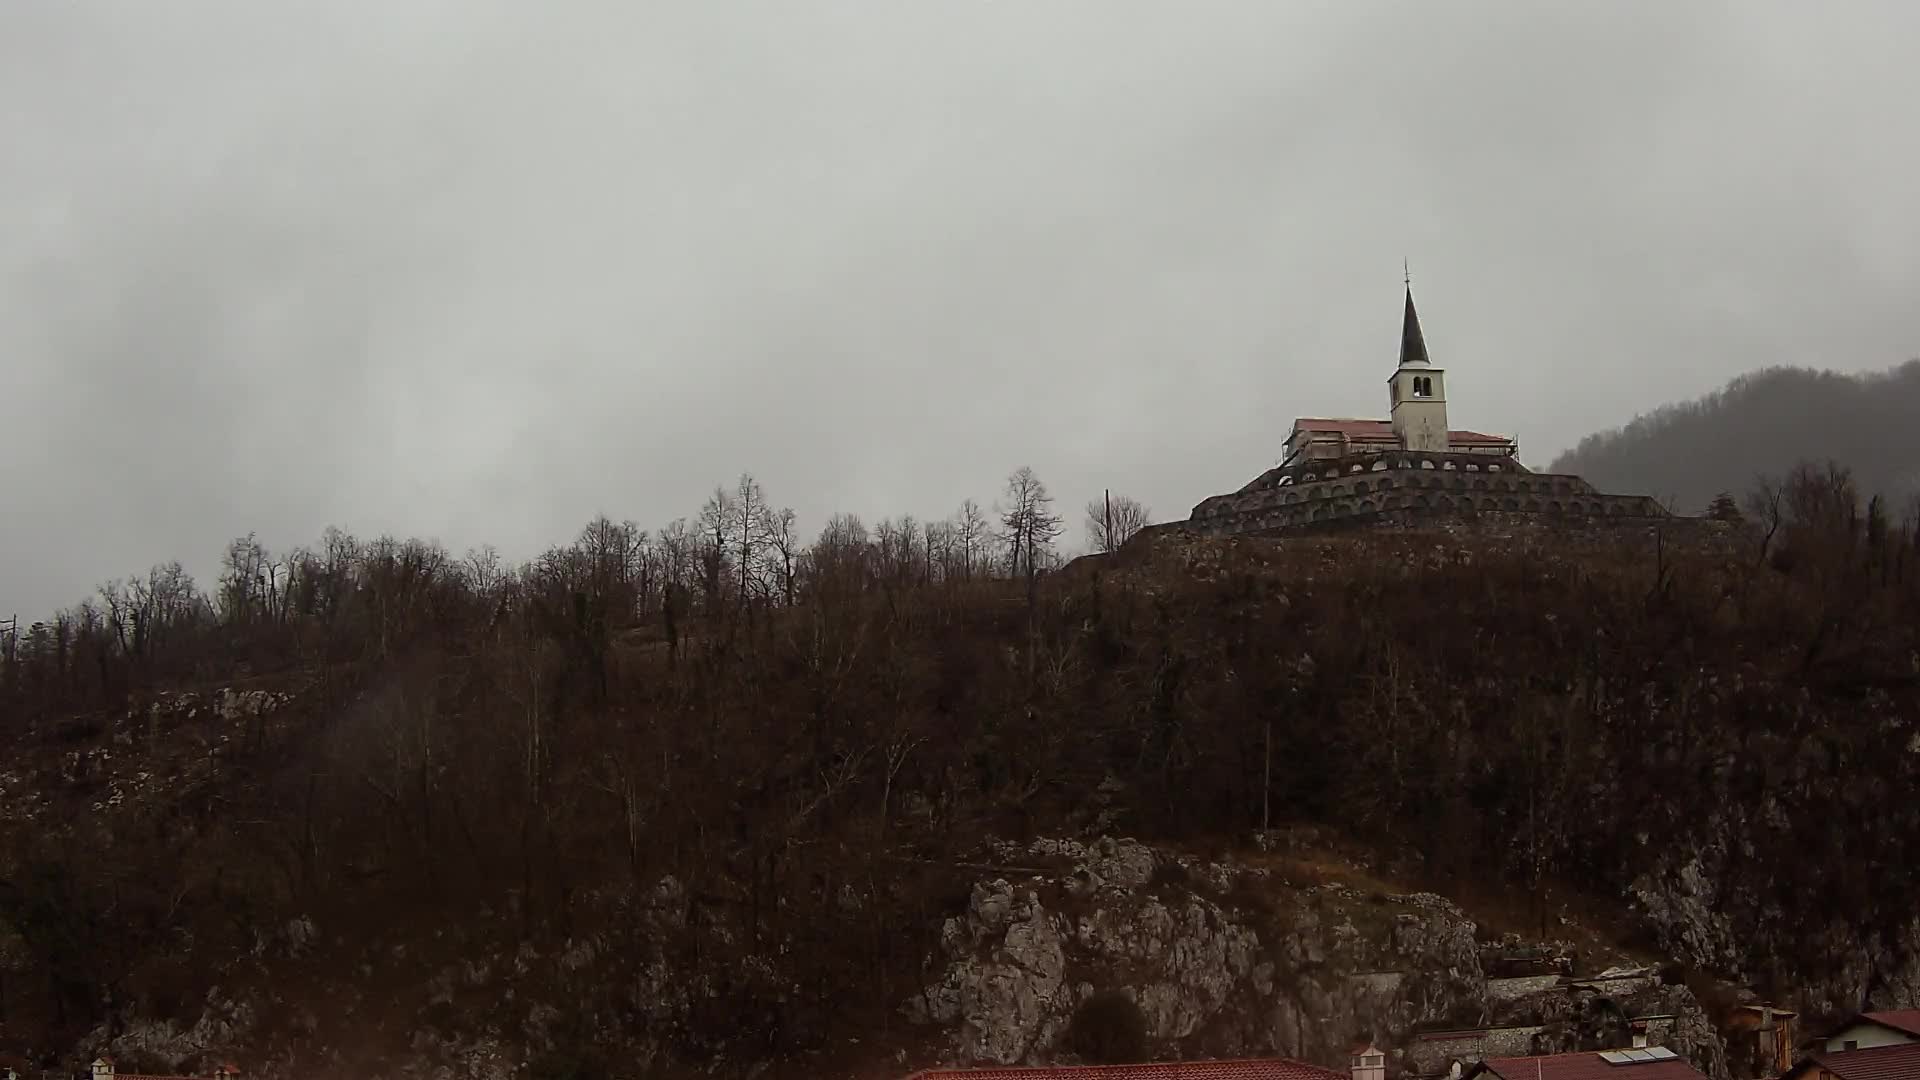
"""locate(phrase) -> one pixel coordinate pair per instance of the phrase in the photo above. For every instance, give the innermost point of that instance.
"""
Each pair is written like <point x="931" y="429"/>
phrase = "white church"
<point x="1412" y="465"/>
<point x="1417" y="392"/>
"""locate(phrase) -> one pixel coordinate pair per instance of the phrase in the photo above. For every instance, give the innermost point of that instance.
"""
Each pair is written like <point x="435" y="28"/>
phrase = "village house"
<point x="1368" y="1062"/>
<point x="1642" y="1063"/>
<point x="1866" y="1046"/>
<point x="1759" y="1039"/>
<point x="103" y="1069"/>
<point x="1865" y="1031"/>
<point x="1896" y="1062"/>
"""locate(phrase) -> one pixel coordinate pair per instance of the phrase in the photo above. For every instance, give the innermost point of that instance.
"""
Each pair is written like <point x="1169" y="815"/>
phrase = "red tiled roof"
<point x="1589" y="1065"/>
<point x="1907" y="1020"/>
<point x="1246" y="1069"/>
<point x="1900" y="1062"/>
<point x="233" y="1070"/>
<point x="1376" y="428"/>
<point x="1383" y="430"/>
<point x="1457" y="436"/>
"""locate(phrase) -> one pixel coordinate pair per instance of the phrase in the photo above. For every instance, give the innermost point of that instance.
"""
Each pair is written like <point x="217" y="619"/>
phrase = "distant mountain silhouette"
<point x="1762" y="423"/>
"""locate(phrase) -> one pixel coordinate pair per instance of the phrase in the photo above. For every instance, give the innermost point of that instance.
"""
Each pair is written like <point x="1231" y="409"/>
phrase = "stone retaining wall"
<point x="1360" y="487"/>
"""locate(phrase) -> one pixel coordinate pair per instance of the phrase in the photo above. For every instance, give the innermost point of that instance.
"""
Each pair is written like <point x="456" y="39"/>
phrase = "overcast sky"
<point x="479" y="270"/>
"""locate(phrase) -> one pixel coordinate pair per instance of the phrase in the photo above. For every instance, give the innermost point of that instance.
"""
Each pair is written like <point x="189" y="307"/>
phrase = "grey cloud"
<point x="480" y="270"/>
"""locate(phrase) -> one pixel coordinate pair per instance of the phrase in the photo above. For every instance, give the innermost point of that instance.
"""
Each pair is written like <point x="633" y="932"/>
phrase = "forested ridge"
<point x="351" y="766"/>
<point x="1761" y="424"/>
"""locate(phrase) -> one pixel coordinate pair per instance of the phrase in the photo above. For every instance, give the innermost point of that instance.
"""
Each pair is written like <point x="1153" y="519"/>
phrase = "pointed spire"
<point x="1413" y="345"/>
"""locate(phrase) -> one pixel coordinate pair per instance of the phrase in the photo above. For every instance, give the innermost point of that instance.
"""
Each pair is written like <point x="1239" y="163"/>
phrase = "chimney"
<point x="1369" y="1062"/>
<point x="103" y="1068"/>
<point x="1783" y="1041"/>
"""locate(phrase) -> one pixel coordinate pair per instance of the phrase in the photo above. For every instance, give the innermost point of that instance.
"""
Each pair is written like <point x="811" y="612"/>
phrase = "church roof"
<point x="1382" y="431"/>
<point x="1413" y="344"/>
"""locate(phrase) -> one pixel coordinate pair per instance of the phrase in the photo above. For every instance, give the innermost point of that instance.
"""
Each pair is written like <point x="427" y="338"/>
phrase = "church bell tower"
<point x="1419" y="390"/>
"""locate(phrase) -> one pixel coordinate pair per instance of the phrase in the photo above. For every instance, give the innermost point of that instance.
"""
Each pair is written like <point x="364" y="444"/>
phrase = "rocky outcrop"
<point x="224" y="1022"/>
<point x="1714" y="904"/>
<point x="1218" y="957"/>
<point x="1228" y="959"/>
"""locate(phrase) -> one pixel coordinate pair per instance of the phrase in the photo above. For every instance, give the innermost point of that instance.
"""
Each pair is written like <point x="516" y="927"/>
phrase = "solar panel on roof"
<point x="1637" y="1055"/>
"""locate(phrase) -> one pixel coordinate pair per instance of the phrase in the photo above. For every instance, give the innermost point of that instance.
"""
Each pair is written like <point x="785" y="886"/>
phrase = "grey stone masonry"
<point x="1398" y="484"/>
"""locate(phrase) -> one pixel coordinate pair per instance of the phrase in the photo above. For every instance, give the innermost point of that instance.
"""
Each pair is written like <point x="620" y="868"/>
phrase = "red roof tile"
<point x="1901" y="1062"/>
<point x="1365" y="430"/>
<point x="1589" y="1065"/>
<point x="1346" y="427"/>
<point x="1246" y="1069"/>
<point x="1457" y="436"/>
<point x="1907" y="1020"/>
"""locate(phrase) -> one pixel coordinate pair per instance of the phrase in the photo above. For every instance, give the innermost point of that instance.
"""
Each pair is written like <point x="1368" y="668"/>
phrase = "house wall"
<point x="1622" y="985"/>
<point x="1377" y="983"/>
<point x="1520" y="986"/>
<point x="1430" y="1056"/>
<point x="1868" y="1036"/>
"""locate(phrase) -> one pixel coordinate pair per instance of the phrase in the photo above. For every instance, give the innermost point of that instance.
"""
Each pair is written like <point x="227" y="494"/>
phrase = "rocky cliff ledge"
<point x="1224" y="958"/>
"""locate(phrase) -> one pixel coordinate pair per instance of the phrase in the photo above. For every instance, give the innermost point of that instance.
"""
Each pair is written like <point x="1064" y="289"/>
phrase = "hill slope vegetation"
<point x="1762" y="423"/>
<point x="304" y="819"/>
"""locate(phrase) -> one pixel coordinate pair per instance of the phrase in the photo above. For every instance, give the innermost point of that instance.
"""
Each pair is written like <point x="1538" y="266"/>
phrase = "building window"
<point x="1850" y="1044"/>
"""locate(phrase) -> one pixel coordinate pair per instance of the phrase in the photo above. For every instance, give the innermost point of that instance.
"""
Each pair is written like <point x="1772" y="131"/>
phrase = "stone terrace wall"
<point x="1312" y="469"/>
<point x="1634" y="529"/>
<point x="1503" y="530"/>
<point x="1358" y="489"/>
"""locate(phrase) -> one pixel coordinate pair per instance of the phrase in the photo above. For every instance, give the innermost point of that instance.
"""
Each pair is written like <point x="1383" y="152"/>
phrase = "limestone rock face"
<point x="224" y="1022"/>
<point x="1217" y="956"/>
<point x="1005" y="988"/>
<point x="1231" y="960"/>
<point x="1713" y="906"/>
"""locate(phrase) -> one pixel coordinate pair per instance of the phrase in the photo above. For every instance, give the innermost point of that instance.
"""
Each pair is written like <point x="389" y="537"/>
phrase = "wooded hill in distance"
<point x="478" y="763"/>
<point x="1762" y="422"/>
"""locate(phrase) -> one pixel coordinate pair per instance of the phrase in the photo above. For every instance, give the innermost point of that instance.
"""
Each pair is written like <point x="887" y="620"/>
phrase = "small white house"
<point x="1866" y="1031"/>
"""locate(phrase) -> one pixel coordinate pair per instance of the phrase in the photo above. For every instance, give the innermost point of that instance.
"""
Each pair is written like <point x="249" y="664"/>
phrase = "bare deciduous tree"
<point x="1113" y="521"/>
<point x="1028" y="524"/>
<point x="715" y="531"/>
<point x="1765" y="506"/>
<point x="749" y="528"/>
<point x="784" y="547"/>
<point x="970" y="535"/>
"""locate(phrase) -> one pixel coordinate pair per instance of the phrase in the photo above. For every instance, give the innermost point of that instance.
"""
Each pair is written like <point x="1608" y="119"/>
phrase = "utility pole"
<point x="1266" y="786"/>
<point x="9" y="648"/>
<point x="1107" y="540"/>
